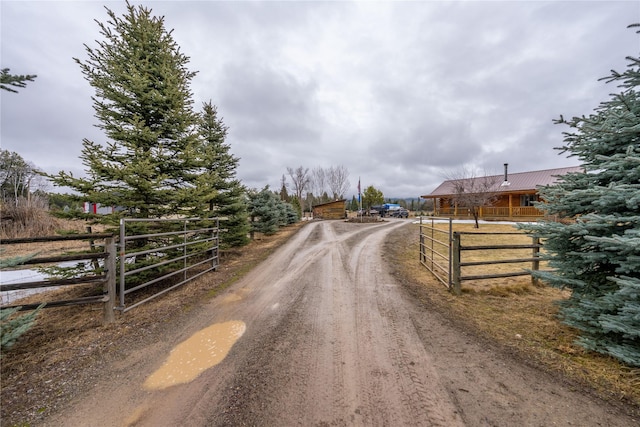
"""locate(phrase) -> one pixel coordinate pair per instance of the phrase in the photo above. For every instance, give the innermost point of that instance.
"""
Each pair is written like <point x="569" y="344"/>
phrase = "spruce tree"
<point x="284" y="194"/>
<point x="217" y="179"/>
<point x="10" y="81"/>
<point x="13" y="326"/>
<point x="264" y="211"/>
<point x="143" y="103"/>
<point x="596" y="254"/>
<point x="353" y="206"/>
<point x="297" y="210"/>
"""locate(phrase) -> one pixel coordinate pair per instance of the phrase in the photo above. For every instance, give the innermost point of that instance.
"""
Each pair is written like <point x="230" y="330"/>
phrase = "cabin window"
<point x="528" y="199"/>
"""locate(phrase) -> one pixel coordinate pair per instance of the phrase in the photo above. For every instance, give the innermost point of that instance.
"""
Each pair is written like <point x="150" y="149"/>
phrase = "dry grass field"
<point x="517" y="314"/>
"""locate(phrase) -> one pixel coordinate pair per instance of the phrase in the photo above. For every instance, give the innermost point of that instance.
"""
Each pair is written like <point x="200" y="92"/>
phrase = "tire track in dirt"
<point x="356" y="372"/>
<point x="403" y="353"/>
<point x="338" y="363"/>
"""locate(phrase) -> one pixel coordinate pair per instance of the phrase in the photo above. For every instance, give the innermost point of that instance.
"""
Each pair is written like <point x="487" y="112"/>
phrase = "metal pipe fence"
<point x="435" y="247"/>
<point x="179" y="249"/>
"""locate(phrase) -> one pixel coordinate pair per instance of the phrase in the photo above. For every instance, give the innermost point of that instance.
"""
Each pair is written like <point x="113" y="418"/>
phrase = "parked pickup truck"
<point x="392" y="210"/>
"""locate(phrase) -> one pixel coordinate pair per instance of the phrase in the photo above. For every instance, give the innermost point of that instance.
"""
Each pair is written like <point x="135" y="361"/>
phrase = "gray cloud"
<point x="269" y="104"/>
<point x="397" y="92"/>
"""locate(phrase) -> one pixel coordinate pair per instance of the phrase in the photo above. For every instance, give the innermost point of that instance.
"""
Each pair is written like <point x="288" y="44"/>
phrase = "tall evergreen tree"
<point x="10" y="81"/>
<point x="264" y="211"/>
<point x="353" y="206"/>
<point x="295" y="213"/>
<point x="217" y="179"/>
<point x="143" y="104"/>
<point x="284" y="194"/>
<point x="597" y="256"/>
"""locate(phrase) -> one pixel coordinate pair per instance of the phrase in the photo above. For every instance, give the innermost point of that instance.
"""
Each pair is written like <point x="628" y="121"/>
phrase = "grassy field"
<point x="519" y="315"/>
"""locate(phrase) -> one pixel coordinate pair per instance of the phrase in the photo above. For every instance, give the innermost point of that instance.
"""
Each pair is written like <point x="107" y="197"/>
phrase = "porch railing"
<point x="492" y="212"/>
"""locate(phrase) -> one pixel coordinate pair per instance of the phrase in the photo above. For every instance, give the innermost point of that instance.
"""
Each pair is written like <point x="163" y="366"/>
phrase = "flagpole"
<point x="359" y="201"/>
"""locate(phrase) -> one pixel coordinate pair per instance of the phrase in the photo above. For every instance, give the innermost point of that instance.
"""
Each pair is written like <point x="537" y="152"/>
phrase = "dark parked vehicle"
<point x="367" y="212"/>
<point x="400" y="213"/>
<point x="390" y="210"/>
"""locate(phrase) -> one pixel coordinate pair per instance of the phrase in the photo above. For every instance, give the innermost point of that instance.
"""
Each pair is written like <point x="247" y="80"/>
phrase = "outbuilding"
<point x="331" y="210"/>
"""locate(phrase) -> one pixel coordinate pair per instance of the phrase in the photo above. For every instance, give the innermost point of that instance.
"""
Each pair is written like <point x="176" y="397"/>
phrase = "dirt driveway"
<point x="322" y="335"/>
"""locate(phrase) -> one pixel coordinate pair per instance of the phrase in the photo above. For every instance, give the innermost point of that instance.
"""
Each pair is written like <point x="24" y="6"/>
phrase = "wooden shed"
<point x="331" y="210"/>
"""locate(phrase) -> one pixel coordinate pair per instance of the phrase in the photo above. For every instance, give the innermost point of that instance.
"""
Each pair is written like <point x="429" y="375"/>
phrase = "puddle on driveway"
<point x="202" y="351"/>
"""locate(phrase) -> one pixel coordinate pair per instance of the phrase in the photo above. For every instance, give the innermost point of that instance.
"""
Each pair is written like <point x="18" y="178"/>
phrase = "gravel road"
<point x="326" y="336"/>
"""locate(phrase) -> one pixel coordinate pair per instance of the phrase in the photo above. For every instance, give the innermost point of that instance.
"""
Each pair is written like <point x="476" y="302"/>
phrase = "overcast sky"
<point x="399" y="93"/>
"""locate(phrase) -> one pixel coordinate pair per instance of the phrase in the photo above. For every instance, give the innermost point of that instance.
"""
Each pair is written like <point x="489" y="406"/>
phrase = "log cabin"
<point x="512" y="196"/>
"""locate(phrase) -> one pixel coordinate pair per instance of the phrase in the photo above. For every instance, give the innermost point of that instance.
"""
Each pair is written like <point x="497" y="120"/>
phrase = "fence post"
<point x="423" y="257"/>
<point x="535" y="265"/>
<point x="110" y="267"/>
<point x="92" y="246"/>
<point x="456" y="263"/>
<point x="449" y="249"/>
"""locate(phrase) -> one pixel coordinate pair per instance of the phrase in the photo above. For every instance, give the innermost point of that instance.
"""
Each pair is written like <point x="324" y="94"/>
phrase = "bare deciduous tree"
<point x="17" y="177"/>
<point x="338" y="181"/>
<point x="300" y="180"/>
<point x="473" y="190"/>
<point x="318" y="183"/>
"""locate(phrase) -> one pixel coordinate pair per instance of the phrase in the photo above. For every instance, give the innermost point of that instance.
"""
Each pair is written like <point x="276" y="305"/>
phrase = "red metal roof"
<point x="522" y="181"/>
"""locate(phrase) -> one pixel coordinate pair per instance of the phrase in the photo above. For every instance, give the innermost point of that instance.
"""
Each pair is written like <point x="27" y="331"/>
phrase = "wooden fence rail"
<point x="107" y="279"/>
<point x="458" y="263"/>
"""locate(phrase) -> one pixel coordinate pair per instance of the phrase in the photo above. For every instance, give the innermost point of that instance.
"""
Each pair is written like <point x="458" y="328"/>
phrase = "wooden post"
<point x="110" y="267"/>
<point x="92" y="246"/>
<point x="456" y="263"/>
<point x="535" y="265"/>
<point x="91" y="242"/>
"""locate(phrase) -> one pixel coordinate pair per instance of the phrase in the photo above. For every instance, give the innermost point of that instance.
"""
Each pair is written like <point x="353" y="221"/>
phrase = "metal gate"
<point x="159" y="250"/>
<point x="435" y="247"/>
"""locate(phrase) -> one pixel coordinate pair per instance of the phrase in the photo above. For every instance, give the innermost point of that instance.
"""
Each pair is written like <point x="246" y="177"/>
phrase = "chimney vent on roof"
<point x="506" y="182"/>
